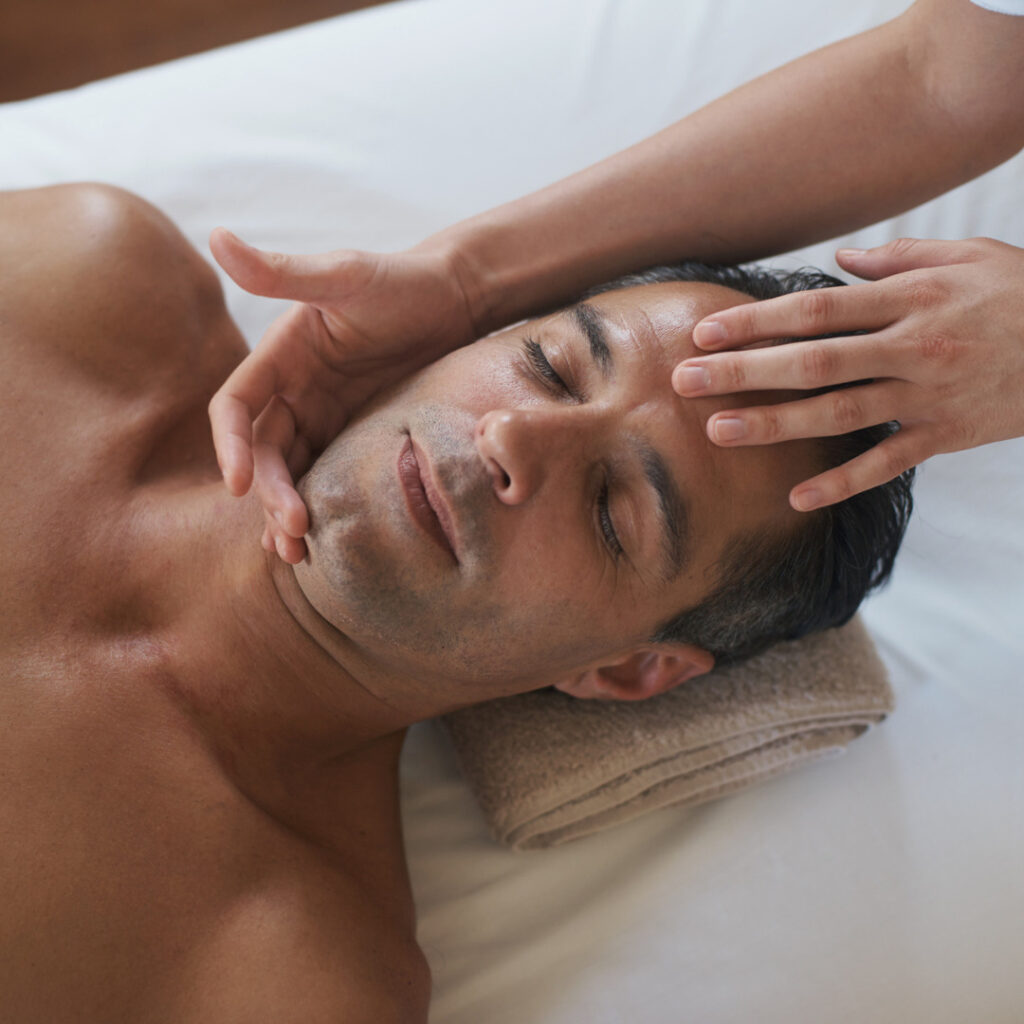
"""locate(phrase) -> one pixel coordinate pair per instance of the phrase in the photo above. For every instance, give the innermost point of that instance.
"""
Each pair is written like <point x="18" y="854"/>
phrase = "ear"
<point x="640" y="673"/>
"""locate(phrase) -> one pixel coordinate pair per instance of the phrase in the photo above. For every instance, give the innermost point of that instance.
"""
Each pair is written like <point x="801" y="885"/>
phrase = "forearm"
<point x="841" y="138"/>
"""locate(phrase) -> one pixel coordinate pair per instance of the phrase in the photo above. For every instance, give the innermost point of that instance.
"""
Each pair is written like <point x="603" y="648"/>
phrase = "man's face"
<point x="580" y="517"/>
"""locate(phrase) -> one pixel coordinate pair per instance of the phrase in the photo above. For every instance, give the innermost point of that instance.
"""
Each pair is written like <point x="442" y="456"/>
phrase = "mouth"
<point x="423" y="498"/>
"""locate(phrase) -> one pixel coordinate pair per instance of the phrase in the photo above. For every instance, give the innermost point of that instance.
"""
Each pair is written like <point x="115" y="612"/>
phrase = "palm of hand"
<point x="360" y="322"/>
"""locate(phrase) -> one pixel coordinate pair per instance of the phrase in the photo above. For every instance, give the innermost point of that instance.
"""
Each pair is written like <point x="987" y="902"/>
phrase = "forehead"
<point x="658" y="319"/>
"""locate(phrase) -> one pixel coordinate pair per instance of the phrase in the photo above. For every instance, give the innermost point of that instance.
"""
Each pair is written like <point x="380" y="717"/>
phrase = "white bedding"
<point x="885" y="886"/>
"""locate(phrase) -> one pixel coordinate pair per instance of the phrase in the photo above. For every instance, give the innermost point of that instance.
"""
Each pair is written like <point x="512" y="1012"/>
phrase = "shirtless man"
<point x="199" y="748"/>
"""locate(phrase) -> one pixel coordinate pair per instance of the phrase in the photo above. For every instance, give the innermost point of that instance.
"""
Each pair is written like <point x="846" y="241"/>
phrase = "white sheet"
<point x="883" y="887"/>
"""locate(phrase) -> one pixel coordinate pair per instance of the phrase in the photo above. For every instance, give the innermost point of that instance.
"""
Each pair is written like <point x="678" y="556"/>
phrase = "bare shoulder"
<point x="329" y="932"/>
<point x="304" y="953"/>
<point x="100" y="275"/>
<point x="83" y="241"/>
<point x="331" y="994"/>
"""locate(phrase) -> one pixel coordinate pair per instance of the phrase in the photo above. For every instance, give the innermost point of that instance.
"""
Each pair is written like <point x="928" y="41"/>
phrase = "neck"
<point x="265" y="683"/>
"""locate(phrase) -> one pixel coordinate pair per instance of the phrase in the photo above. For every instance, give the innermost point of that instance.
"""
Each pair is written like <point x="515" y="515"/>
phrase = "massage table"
<point x="881" y="886"/>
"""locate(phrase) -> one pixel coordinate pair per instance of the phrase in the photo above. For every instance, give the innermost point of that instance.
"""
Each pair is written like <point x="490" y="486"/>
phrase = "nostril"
<point x="493" y="436"/>
<point x="498" y="475"/>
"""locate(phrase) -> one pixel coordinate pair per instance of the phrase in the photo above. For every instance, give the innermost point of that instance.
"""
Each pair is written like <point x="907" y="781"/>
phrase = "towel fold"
<point x="547" y="768"/>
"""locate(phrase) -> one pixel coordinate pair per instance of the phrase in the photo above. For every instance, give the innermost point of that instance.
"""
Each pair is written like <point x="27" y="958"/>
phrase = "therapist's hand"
<point x="360" y="321"/>
<point x="944" y="356"/>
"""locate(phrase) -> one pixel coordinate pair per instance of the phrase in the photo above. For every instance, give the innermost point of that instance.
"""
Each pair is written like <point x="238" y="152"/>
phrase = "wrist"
<point x="467" y="251"/>
<point x="515" y="261"/>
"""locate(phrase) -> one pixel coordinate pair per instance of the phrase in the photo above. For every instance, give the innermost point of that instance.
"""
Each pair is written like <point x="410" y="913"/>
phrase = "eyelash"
<point x="607" y="526"/>
<point x="539" y="361"/>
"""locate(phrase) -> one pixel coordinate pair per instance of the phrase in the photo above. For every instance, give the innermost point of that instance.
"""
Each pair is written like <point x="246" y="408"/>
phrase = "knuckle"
<point x="902" y="246"/>
<point x="847" y="413"/>
<point x="921" y="289"/>
<point x="734" y="374"/>
<point x="818" y="364"/>
<point x="270" y="270"/>
<point x="935" y="347"/>
<point x="277" y="261"/>
<point x="893" y="461"/>
<point x="978" y="247"/>
<point x="769" y="425"/>
<point x="817" y="308"/>
<point x="840" y="484"/>
<point x="958" y="432"/>
<point x="740" y="323"/>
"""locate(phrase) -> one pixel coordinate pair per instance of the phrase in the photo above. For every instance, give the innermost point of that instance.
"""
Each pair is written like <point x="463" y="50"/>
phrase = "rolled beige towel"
<point x="547" y="768"/>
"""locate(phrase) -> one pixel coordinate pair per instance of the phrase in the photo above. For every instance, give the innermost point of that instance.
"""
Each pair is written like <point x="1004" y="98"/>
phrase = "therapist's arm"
<point x="839" y="139"/>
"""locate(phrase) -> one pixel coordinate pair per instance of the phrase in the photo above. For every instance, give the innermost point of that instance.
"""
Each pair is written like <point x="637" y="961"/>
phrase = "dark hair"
<point x="773" y="588"/>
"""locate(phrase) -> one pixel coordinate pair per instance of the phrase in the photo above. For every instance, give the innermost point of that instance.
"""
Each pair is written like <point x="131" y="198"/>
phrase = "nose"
<point x="521" y="448"/>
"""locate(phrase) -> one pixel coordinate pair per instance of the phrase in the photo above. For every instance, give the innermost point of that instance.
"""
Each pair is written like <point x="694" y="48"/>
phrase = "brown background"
<point x="57" y="44"/>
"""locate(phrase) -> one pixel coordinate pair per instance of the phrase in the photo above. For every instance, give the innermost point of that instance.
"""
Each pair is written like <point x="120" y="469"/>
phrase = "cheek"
<point x="550" y="561"/>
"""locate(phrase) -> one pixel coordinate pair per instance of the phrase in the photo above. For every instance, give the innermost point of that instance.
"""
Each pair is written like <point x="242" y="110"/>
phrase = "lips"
<point x="425" y="503"/>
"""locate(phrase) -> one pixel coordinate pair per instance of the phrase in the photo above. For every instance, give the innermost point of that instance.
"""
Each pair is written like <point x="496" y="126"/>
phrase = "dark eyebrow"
<point x="672" y="508"/>
<point x="591" y="324"/>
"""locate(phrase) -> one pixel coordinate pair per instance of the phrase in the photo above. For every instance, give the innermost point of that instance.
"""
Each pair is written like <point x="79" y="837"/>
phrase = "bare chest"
<point x="75" y="449"/>
<point x="138" y="885"/>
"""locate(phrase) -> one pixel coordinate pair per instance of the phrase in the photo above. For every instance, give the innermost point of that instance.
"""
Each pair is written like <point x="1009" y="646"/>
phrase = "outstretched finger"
<point x="903" y="254"/>
<point x="837" y="412"/>
<point x="231" y="423"/>
<point x="800" y="314"/>
<point x="803" y="365"/>
<point x="273" y="435"/>
<point x="288" y="549"/>
<point x="233" y="410"/>
<point x="303" y="278"/>
<point x="878" y="465"/>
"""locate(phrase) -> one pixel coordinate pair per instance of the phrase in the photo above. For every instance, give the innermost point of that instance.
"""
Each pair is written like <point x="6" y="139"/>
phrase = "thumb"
<point x="900" y="255"/>
<point x="274" y="274"/>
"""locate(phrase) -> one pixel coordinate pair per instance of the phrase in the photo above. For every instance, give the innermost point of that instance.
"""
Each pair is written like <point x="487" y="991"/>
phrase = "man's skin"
<point x="199" y="746"/>
<point x="146" y="875"/>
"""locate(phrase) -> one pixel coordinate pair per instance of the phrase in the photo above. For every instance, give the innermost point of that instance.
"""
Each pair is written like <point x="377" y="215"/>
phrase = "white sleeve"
<point x="1001" y="6"/>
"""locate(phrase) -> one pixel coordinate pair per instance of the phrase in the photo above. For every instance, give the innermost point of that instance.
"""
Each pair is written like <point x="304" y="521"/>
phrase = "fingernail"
<point x="804" y="501"/>
<point x="845" y="254"/>
<point x="708" y="332"/>
<point x="693" y="378"/>
<point x="729" y="429"/>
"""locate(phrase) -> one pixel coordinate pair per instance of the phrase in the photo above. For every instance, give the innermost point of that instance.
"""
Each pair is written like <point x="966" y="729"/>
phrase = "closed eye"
<point x="607" y="526"/>
<point x="543" y="368"/>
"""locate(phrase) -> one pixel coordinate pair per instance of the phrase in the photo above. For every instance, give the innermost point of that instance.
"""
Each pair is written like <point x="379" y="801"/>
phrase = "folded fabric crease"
<point x="547" y="768"/>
